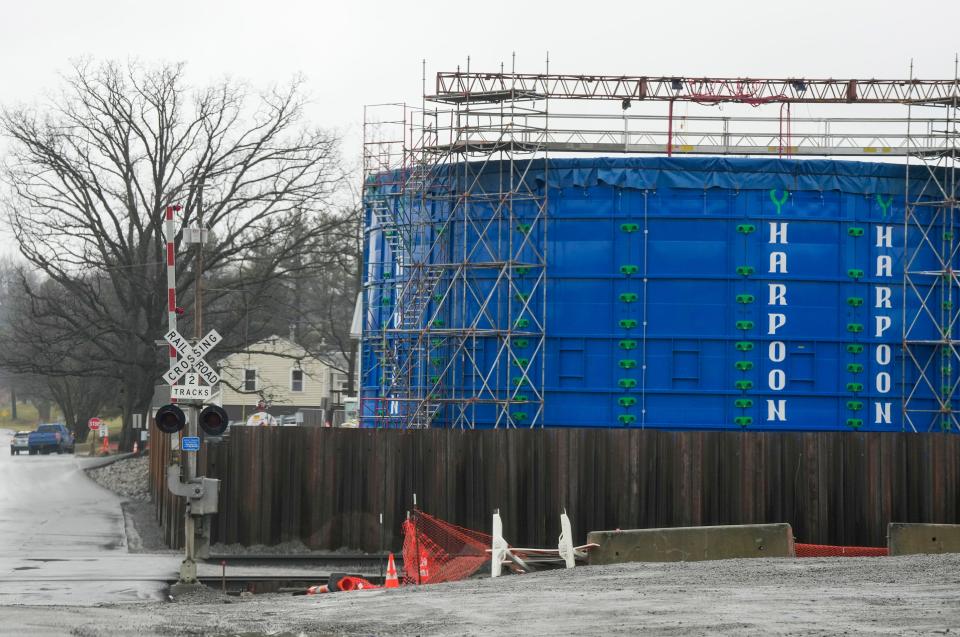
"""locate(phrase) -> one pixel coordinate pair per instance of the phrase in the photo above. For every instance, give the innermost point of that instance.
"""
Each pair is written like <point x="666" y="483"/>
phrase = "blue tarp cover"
<point x="646" y="173"/>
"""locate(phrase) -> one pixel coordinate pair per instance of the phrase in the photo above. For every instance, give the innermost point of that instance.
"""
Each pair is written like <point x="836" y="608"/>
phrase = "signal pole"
<point x="201" y="493"/>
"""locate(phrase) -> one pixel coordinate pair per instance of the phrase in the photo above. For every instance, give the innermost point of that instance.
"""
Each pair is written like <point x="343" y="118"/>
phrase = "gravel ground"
<point x="863" y="596"/>
<point x="128" y="478"/>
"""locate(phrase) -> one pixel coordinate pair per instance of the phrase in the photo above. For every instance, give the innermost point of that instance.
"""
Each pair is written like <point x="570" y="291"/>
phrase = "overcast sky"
<point x="355" y="52"/>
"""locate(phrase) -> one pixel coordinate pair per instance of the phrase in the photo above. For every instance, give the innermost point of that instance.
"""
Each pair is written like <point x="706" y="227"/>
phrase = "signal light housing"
<point x="214" y="420"/>
<point x="170" y="419"/>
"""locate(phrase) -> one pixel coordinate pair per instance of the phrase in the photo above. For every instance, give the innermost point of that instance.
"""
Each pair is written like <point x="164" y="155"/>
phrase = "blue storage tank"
<point x="717" y="293"/>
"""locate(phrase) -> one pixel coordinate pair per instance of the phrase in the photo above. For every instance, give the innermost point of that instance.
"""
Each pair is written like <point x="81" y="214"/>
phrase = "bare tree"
<point x="91" y="173"/>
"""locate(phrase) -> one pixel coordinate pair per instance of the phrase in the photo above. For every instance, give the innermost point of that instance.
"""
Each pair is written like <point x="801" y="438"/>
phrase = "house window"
<point x="296" y="380"/>
<point x="249" y="380"/>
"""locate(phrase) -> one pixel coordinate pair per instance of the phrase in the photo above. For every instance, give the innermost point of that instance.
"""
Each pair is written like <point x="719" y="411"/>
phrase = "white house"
<point x="282" y="374"/>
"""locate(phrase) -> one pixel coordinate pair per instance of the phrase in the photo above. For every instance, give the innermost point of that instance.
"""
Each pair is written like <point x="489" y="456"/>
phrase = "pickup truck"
<point x="47" y="438"/>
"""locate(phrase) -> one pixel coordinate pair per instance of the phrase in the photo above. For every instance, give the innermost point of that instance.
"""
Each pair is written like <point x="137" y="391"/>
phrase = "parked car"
<point x="20" y="442"/>
<point x="47" y="438"/>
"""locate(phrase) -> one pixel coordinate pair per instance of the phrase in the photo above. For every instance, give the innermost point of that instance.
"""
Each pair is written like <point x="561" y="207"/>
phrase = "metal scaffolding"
<point x="931" y="285"/>
<point x="457" y="300"/>
<point x="456" y="229"/>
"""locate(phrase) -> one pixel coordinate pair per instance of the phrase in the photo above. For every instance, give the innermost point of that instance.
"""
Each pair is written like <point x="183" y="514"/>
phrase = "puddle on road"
<point x="286" y="634"/>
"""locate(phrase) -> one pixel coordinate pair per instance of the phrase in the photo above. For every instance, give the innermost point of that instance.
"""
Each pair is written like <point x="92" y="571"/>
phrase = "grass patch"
<point x="27" y="418"/>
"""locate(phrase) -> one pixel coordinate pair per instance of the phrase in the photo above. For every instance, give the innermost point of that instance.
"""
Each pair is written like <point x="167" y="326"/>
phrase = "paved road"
<point x="62" y="538"/>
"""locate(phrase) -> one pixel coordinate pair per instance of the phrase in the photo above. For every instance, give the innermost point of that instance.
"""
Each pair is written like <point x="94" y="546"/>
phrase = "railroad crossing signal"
<point x="191" y="358"/>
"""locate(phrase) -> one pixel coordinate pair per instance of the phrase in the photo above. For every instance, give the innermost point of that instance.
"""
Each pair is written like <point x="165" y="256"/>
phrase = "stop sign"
<point x="94" y="423"/>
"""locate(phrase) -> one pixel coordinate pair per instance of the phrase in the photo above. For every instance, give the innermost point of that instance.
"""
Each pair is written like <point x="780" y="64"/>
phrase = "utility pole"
<point x="188" y="570"/>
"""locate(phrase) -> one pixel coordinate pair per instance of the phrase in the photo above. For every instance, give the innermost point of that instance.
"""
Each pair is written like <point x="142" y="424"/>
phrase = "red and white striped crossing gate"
<point x="171" y="232"/>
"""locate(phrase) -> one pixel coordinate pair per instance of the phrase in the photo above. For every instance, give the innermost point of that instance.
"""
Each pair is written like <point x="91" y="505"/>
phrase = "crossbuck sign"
<point x="191" y="360"/>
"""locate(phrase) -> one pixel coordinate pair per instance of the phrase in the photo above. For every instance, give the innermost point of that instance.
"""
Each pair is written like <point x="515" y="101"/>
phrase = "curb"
<point x="95" y="463"/>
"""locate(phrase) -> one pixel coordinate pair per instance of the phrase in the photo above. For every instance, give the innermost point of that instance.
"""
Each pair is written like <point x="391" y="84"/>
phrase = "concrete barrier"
<point x="694" y="543"/>
<point x="910" y="539"/>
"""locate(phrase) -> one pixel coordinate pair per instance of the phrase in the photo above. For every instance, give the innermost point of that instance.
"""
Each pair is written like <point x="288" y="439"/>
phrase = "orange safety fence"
<point x="437" y="551"/>
<point x="827" y="550"/>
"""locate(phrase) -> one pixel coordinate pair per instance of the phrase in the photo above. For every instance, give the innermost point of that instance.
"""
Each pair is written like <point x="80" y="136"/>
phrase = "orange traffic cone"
<point x="105" y="448"/>
<point x="391" y="581"/>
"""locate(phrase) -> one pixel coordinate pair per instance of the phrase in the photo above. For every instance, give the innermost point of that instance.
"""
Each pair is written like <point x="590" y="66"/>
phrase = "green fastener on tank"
<point x="854" y="273"/>
<point x="628" y="363"/>
<point x="744" y="346"/>
<point x="437" y="298"/>
<point x="746" y="228"/>
<point x="743" y="403"/>
<point x="743" y="421"/>
<point x="628" y="297"/>
<point x="628" y="324"/>
<point x="948" y="236"/>
<point x="629" y="270"/>
<point x="521" y="323"/>
<point x="855" y="328"/>
<point x="521" y="362"/>
<point x="854" y="405"/>
<point x="743" y="366"/>
<point x="745" y="298"/>
<point x="627" y="383"/>
<point x="520" y="380"/>
<point x="946" y="370"/>
<point x="520" y="342"/>
<point x="854" y="368"/>
<point x="744" y="325"/>
<point x="520" y="398"/>
<point x="519" y="416"/>
<point x="626" y="401"/>
<point x="437" y="323"/>
<point x="743" y="385"/>
<point x="627" y="419"/>
<point x="854" y="387"/>
<point x="436" y="342"/>
<point x="629" y="227"/>
<point x="628" y="344"/>
<point x="523" y="228"/>
<point x="521" y="296"/>
<point x="436" y="361"/>
<point x="522" y="270"/>
<point x="855" y="232"/>
<point x="856" y="423"/>
<point x="745" y="270"/>
<point x="855" y="301"/>
<point x="947" y="305"/>
<point x="854" y="348"/>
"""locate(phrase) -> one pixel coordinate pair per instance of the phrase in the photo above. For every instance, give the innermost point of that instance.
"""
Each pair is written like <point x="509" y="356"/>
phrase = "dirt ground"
<point x="875" y="596"/>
